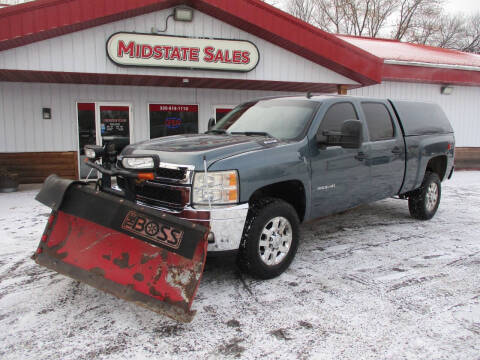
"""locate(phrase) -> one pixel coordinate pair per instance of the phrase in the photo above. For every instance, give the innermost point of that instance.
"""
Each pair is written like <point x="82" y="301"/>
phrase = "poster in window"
<point x="114" y="124"/>
<point x="171" y="119"/>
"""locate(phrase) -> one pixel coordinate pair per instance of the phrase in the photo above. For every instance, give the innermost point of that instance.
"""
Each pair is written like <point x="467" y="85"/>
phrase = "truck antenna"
<point x="205" y="181"/>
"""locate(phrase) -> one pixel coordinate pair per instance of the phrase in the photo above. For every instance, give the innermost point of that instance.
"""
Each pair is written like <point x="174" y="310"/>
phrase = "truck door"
<point x="338" y="175"/>
<point x="386" y="150"/>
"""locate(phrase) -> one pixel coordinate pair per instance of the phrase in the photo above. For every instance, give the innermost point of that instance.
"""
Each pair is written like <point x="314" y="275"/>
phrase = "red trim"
<point x="86" y="106"/>
<point x="174" y="107"/>
<point x="44" y="19"/>
<point x="114" y="108"/>
<point x="167" y="81"/>
<point x="223" y="110"/>
<point x="430" y="75"/>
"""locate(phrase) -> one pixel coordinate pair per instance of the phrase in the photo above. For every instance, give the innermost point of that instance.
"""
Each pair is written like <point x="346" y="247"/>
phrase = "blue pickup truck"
<point x="271" y="164"/>
<point x="144" y="231"/>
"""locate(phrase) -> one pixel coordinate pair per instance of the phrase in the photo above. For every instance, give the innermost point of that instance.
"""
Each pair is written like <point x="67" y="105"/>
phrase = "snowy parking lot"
<point x="371" y="283"/>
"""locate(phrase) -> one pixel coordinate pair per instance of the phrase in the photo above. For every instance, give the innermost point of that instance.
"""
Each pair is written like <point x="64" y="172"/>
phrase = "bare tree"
<point x="418" y="21"/>
<point x="330" y="15"/>
<point x="471" y="40"/>
<point x="380" y="12"/>
<point x="302" y="9"/>
<point x="411" y="13"/>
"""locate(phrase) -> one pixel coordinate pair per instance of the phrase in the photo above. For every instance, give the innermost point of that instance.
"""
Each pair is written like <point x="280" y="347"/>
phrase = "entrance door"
<point x="99" y="122"/>
<point x="87" y="135"/>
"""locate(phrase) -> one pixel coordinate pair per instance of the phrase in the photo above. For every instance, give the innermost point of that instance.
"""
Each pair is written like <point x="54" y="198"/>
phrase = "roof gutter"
<point x="432" y="65"/>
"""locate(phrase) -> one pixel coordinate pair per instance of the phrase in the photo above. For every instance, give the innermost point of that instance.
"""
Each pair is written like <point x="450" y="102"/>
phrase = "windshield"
<point x="281" y="118"/>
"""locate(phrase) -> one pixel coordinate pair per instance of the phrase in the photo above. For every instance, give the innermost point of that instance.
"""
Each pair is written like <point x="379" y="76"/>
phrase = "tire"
<point x="423" y="202"/>
<point x="266" y="256"/>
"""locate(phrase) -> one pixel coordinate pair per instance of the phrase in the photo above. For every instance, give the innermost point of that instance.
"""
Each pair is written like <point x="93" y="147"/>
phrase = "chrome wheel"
<point x="432" y="196"/>
<point x="275" y="241"/>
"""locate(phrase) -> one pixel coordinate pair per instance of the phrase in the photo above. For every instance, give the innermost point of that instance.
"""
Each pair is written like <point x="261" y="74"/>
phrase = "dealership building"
<point x="73" y="72"/>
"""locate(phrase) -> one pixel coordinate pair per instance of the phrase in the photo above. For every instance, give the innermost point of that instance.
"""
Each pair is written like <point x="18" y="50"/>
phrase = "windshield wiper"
<point x="216" y="131"/>
<point x="253" y="133"/>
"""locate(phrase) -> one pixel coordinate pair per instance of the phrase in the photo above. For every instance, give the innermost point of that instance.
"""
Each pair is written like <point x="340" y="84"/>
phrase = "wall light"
<point x="183" y="14"/>
<point x="446" y="90"/>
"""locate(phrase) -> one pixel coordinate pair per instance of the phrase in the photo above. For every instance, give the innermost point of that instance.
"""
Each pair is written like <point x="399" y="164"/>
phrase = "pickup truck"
<point x="273" y="163"/>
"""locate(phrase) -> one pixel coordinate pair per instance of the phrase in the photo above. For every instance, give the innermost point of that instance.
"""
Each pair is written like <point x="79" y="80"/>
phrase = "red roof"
<point x="402" y="51"/>
<point x="43" y="19"/>
<point x="414" y="62"/>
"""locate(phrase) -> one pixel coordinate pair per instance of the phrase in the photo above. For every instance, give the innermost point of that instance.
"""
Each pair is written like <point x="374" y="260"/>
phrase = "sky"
<point x="466" y="6"/>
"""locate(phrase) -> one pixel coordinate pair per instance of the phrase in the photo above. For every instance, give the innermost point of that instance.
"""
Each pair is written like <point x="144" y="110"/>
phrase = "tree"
<point x="417" y="21"/>
<point x="302" y="9"/>
<point x="471" y="41"/>
<point x="411" y="13"/>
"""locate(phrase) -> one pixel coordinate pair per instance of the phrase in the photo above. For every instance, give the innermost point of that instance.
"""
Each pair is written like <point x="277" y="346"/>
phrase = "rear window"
<point x="379" y="121"/>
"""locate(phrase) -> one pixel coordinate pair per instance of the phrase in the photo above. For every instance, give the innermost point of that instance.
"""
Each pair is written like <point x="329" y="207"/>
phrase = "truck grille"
<point x="175" y="174"/>
<point x="163" y="195"/>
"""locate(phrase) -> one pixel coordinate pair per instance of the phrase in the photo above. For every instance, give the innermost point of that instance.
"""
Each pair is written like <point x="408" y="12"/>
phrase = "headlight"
<point x="93" y="152"/>
<point x="138" y="163"/>
<point x="221" y="187"/>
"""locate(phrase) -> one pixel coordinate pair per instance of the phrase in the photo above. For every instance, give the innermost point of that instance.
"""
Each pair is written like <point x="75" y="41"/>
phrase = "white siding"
<point x="84" y="51"/>
<point x="23" y="129"/>
<point x="462" y="106"/>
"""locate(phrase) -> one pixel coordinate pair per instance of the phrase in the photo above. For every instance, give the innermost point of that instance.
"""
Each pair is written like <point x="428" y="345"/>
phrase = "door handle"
<point x="397" y="150"/>
<point x="361" y="156"/>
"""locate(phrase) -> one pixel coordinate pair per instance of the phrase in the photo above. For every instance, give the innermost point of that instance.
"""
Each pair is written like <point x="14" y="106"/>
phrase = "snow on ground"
<point x="371" y="283"/>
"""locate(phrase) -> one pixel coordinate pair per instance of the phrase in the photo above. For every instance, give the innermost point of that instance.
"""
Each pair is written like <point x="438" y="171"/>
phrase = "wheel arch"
<point x="438" y="165"/>
<point x="290" y="191"/>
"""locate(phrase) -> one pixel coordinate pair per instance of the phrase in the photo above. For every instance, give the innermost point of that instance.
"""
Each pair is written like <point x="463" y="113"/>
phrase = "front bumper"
<point x="225" y="223"/>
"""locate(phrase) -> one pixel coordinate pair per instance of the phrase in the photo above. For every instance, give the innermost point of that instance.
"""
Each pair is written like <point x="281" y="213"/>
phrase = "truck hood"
<point x="190" y="149"/>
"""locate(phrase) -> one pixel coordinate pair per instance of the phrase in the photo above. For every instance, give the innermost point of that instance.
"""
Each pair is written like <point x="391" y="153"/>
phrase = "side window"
<point x="335" y="116"/>
<point x="379" y="121"/>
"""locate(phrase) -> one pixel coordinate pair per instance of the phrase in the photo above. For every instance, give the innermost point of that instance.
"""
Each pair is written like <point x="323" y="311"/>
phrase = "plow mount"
<point x="137" y="253"/>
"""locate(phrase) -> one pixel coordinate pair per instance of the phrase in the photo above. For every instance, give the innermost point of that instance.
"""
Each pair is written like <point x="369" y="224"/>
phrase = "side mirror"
<point x="211" y="123"/>
<point x="352" y="134"/>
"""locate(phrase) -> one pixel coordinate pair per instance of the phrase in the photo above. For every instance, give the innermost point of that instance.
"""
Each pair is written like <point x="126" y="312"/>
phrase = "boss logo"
<point x="153" y="230"/>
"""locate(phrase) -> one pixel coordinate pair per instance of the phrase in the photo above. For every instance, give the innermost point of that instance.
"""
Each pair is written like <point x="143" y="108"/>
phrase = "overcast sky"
<point x="465" y="6"/>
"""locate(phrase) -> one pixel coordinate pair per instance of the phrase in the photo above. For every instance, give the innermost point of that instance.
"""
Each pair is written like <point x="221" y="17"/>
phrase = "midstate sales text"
<point x="209" y="54"/>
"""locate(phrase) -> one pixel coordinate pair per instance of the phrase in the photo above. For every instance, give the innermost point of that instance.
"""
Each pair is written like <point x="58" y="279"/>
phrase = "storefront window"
<point x="171" y="119"/>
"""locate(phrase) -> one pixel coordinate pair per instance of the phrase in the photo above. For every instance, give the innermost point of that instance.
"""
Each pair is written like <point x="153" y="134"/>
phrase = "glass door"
<point x="87" y="135"/>
<point x="100" y="122"/>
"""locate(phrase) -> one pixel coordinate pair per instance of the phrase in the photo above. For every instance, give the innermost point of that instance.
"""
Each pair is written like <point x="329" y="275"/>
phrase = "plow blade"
<point x="136" y="253"/>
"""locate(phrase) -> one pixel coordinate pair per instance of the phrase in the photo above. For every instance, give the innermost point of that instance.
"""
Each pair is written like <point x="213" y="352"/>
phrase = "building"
<point x="73" y="72"/>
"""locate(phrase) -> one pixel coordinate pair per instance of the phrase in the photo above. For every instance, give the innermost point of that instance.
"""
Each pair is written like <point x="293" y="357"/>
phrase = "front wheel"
<point x="424" y="202"/>
<point x="270" y="238"/>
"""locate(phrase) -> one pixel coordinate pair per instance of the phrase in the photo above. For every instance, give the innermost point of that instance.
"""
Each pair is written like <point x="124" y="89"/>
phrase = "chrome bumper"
<point x="227" y="227"/>
<point x="226" y="224"/>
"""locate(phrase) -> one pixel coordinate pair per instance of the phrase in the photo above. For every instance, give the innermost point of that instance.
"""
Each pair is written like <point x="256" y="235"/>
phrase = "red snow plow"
<point x="137" y="253"/>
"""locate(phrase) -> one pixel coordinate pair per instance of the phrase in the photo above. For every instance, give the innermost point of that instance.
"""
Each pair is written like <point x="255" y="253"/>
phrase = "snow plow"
<point x="110" y="242"/>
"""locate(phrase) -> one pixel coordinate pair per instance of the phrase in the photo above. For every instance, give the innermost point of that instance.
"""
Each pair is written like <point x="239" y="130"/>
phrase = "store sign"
<point x="132" y="49"/>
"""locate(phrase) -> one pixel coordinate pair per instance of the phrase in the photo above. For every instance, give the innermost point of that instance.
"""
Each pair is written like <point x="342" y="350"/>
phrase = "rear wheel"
<point x="270" y="238"/>
<point x="423" y="202"/>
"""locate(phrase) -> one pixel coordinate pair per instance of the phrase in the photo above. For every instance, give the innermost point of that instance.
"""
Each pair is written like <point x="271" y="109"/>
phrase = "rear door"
<point x="386" y="154"/>
<point x="339" y="175"/>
